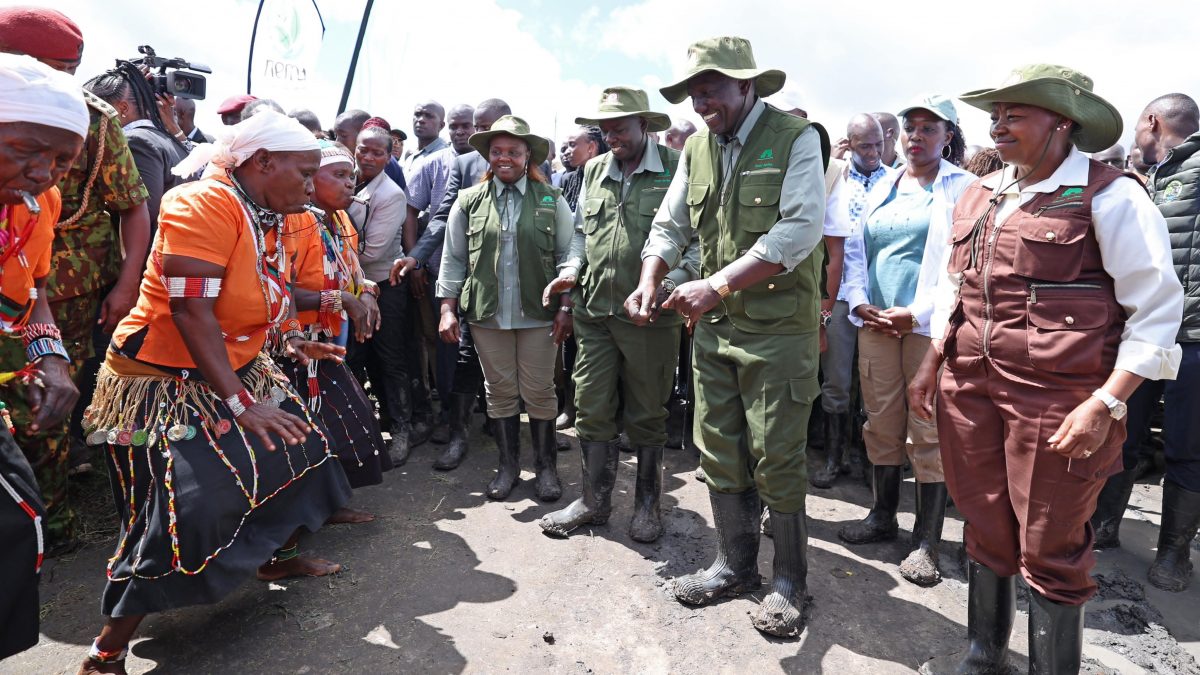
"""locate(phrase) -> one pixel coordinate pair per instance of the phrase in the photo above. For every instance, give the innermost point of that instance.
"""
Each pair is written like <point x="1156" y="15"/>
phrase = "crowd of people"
<point x="235" y="321"/>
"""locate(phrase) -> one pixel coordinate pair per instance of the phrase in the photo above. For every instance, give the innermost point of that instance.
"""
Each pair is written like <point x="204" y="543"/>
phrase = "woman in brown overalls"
<point x="1059" y="299"/>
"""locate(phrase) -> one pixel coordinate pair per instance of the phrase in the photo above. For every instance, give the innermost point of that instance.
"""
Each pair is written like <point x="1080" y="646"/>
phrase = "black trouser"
<point x="384" y="359"/>
<point x="468" y="374"/>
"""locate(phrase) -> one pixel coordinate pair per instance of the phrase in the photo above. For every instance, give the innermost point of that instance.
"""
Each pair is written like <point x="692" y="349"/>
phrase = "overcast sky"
<point x="550" y="59"/>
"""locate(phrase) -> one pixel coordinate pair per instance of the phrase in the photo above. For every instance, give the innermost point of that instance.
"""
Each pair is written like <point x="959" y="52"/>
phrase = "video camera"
<point x="179" y="82"/>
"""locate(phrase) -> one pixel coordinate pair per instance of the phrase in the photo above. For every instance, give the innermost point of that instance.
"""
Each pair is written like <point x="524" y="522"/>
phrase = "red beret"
<point x="40" y="32"/>
<point x="235" y="104"/>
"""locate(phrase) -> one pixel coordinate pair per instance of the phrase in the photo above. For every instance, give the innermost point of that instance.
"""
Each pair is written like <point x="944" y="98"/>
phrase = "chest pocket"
<point x="593" y="215"/>
<point x="758" y="195"/>
<point x="649" y="202"/>
<point x="697" y="195"/>
<point x="475" y="233"/>
<point x="960" y="243"/>
<point x="1050" y="242"/>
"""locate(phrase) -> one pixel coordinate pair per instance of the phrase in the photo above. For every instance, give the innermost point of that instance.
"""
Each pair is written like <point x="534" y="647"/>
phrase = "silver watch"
<point x="1116" y="407"/>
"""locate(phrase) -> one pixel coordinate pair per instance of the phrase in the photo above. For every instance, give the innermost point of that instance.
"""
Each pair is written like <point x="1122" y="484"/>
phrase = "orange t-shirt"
<point x="205" y="221"/>
<point x="303" y="243"/>
<point x="22" y="269"/>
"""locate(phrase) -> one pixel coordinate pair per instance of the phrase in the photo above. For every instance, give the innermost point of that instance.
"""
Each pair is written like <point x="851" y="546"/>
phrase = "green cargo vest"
<point x="616" y="230"/>
<point x="783" y="304"/>
<point x="536" y="265"/>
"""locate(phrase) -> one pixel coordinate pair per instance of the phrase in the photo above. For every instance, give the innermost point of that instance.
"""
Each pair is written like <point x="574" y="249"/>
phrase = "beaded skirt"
<point x="339" y="402"/>
<point x="202" y="502"/>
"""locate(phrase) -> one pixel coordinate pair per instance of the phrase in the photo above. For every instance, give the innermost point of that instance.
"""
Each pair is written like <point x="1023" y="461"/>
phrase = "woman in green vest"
<point x="506" y="239"/>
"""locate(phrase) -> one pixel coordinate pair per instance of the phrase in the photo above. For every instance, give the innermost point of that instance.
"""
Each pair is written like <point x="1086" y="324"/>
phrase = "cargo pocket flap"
<point x="804" y="390"/>
<point x="1068" y="313"/>
<point x="696" y="193"/>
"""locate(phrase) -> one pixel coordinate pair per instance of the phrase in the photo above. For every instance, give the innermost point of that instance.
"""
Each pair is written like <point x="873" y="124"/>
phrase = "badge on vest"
<point x="1172" y="191"/>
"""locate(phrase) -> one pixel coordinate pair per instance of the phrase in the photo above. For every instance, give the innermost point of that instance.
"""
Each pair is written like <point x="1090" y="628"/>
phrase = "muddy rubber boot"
<point x="460" y="423"/>
<point x="647" y="522"/>
<point x="508" y="443"/>
<point x="835" y="450"/>
<point x="400" y="446"/>
<point x="991" y="611"/>
<point x="735" y="569"/>
<point x="1172" y="568"/>
<point x="566" y="419"/>
<point x="1055" y="636"/>
<point x="421" y="430"/>
<point x="599" y="475"/>
<point x="921" y="566"/>
<point x="1110" y="509"/>
<point x="783" y="613"/>
<point x="880" y="524"/>
<point x="545" y="460"/>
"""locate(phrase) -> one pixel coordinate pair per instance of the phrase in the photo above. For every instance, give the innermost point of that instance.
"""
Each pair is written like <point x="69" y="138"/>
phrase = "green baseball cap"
<point x="539" y="148"/>
<point x="730" y="56"/>
<point x="1061" y="90"/>
<point x="618" y="102"/>
<point x="939" y="105"/>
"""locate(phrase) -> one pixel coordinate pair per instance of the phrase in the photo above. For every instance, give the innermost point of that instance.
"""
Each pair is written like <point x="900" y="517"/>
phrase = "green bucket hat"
<point x="730" y="56"/>
<point x="539" y="148"/>
<point x="618" y="102"/>
<point x="1060" y="90"/>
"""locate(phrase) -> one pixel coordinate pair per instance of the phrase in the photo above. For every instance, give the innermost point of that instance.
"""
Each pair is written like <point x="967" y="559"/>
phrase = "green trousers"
<point x="754" y="394"/>
<point x="640" y="360"/>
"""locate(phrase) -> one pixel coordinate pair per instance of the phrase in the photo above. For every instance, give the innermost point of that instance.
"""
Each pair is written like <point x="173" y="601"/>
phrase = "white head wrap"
<point x="266" y="130"/>
<point x="31" y="91"/>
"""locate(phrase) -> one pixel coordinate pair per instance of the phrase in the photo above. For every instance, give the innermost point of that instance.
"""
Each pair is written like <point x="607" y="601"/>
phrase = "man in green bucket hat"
<point x="622" y="190"/>
<point x="1059" y="300"/>
<point x="751" y="188"/>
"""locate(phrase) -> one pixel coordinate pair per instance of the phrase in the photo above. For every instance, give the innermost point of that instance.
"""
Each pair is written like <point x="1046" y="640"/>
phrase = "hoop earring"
<point x="946" y="152"/>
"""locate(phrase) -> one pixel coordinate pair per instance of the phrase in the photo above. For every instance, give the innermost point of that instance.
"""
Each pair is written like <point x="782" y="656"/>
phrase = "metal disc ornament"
<point x="177" y="432"/>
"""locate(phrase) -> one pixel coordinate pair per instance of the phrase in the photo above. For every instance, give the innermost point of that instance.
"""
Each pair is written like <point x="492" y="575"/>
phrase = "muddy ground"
<point x="449" y="582"/>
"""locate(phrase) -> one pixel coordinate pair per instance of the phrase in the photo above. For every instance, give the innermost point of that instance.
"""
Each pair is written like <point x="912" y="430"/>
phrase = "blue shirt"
<point x="895" y="237"/>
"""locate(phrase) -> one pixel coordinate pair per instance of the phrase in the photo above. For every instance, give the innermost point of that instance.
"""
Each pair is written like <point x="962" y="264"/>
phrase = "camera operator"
<point x="155" y="149"/>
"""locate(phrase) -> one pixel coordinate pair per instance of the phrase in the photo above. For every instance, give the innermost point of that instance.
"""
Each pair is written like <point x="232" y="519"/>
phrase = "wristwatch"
<point x="1116" y="407"/>
<point x="719" y="284"/>
<point x="668" y="284"/>
<point x="826" y="318"/>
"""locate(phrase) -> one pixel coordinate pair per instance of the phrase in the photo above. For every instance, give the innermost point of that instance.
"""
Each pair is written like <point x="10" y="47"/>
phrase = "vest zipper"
<point x="755" y="172"/>
<point x="987" y="287"/>
<point x="1052" y="207"/>
<point x="1033" y="288"/>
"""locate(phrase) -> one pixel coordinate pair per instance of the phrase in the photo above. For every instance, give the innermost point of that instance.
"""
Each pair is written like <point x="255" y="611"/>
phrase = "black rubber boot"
<point x="422" y="430"/>
<point x="599" y="475"/>
<point x="508" y="443"/>
<point x="735" y="569"/>
<point x="783" y="613"/>
<point x="1172" y="568"/>
<point x="921" y="566"/>
<point x="1110" y="509"/>
<point x="835" y="450"/>
<point x="461" y="406"/>
<point x="991" y="611"/>
<point x="880" y="524"/>
<point x="1055" y="636"/>
<point x="400" y="446"/>
<point x="647" y="522"/>
<point x="566" y="419"/>
<point x="545" y="460"/>
<point x="676" y="420"/>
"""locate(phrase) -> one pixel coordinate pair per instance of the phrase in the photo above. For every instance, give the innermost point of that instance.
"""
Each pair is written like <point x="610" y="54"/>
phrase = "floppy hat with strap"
<point x="1061" y="90"/>
<point x="730" y="56"/>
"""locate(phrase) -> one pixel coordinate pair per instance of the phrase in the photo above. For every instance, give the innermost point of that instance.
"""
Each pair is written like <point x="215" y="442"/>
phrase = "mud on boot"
<point x="921" y="566"/>
<point x="735" y="569"/>
<point x="508" y="443"/>
<point x="1110" y="509"/>
<point x="545" y="460"/>
<point x="461" y="406"/>
<point x="647" y="521"/>
<point x="1055" y="636"/>
<point x="400" y="446"/>
<point x="598" y="476"/>
<point x="784" y="612"/>
<point x="880" y="524"/>
<point x="835" y="450"/>
<point x="1172" y="568"/>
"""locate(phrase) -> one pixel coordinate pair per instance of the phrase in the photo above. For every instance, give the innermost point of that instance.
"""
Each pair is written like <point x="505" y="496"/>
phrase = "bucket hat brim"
<point x="766" y="82"/>
<point x="654" y="121"/>
<point x="539" y="148"/>
<point x="1099" y="122"/>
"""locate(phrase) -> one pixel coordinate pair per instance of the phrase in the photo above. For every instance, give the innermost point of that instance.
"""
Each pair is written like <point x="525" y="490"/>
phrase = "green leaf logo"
<point x="767" y="154"/>
<point x="548" y="199"/>
<point x="1071" y="192"/>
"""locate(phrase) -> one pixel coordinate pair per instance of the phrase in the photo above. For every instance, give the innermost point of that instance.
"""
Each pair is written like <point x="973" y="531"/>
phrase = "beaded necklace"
<point x="272" y="267"/>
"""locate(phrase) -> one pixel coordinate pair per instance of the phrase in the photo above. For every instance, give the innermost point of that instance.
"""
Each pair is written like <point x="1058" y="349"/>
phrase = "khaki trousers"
<point x="517" y="363"/>
<point x="887" y="365"/>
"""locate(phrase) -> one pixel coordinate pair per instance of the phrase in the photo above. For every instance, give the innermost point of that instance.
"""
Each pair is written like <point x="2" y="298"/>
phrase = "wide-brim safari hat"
<point x="539" y="148"/>
<point x="618" y="102"/>
<point x="1060" y="90"/>
<point x="730" y="56"/>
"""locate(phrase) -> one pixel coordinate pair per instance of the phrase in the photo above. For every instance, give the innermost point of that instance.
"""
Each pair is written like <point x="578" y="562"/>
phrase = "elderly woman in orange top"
<point x="42" y="124"/>
<point x="215" y="459"/>
<point x="329" y="287"/>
